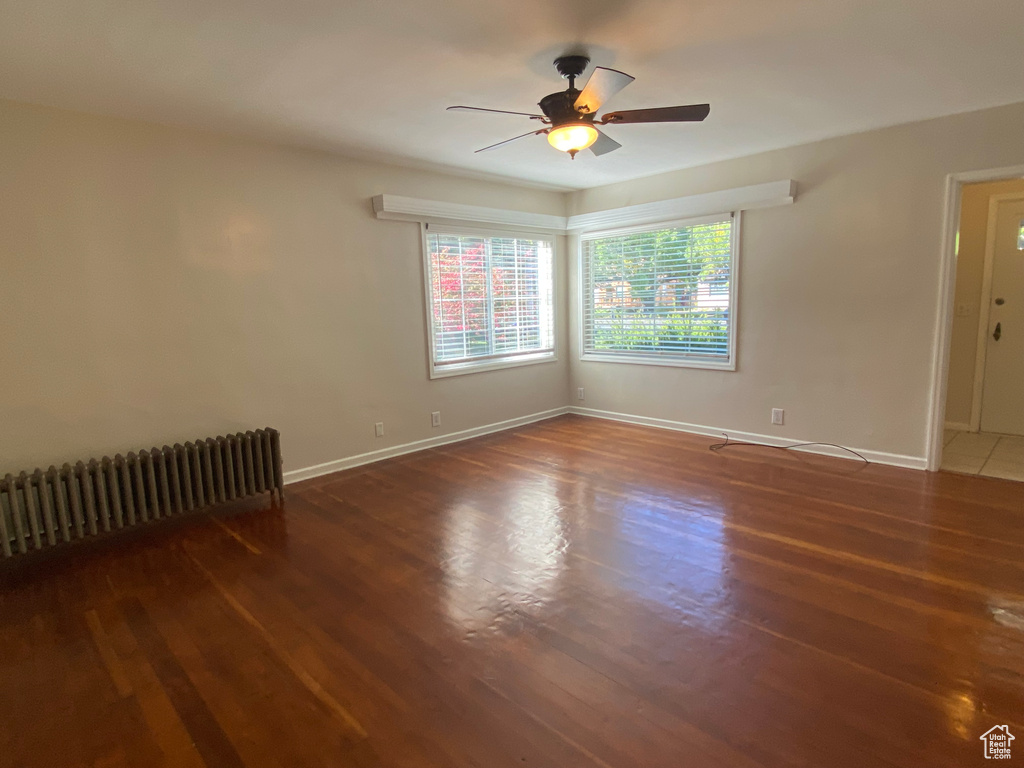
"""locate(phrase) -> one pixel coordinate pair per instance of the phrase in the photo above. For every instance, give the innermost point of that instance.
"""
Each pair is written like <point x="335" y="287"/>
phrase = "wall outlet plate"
<point x="778" y="416"/>
<point x="435" y="419"/>
<point x="378" y="429"/>
<point x="579" y="394"/>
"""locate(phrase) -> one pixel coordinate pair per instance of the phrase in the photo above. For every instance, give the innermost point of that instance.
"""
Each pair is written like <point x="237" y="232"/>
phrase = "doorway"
<point x="1002" y="389"/>
<point x="984" y="411"/>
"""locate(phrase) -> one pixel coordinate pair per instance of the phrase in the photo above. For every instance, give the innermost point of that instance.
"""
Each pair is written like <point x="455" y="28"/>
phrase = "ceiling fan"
<point x="571" y="115"/>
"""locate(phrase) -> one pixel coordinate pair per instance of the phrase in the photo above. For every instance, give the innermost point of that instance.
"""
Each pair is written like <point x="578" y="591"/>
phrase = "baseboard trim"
<point x="318" y="470"/>
<point x="959" y="426"/>
<point x="877" y="457"/>
<point x="307" y="473"/>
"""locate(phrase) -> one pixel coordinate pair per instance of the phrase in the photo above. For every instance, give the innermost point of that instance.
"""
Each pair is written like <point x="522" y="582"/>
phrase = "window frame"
<point x="489" y="363"/>
<point x="673" y="360"/>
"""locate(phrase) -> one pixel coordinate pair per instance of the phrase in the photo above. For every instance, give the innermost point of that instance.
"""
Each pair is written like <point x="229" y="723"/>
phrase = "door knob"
<point x="999" y="302"/>
<point x="998" y="332"/>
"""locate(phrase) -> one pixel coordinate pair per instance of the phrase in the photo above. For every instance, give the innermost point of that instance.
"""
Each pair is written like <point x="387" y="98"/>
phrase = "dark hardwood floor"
<point x="571" y="593"/>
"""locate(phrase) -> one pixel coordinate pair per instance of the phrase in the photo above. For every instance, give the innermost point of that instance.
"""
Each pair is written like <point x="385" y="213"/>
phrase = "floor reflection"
<point x="677" y="550"/>
<point x="667" y="551"/>
<point x="524" y="554"/>
<point x="961" y="709"/>
<point x="505" y="562"/>
<point x="1009" y="613"/>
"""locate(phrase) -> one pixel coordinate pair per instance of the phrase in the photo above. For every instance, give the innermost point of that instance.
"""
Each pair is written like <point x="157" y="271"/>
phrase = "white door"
<point x="1002" y="403"/>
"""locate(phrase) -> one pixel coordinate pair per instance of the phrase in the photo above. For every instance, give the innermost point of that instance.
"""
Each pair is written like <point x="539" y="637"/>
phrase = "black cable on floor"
<point x="729" y="443"/>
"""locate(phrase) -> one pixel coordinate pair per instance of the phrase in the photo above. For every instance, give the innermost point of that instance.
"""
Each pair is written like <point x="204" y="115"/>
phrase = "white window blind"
<point x="491" y="300"/>
<point x="660" y="294"/>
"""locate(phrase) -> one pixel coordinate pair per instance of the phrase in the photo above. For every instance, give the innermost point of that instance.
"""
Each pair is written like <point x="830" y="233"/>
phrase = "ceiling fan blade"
<point x="692" y="113"/>
<point x="604" y="144"/>
<point x="509" y="141"/>
<point x="601" y="86"/>
<point x="461" y="108"/>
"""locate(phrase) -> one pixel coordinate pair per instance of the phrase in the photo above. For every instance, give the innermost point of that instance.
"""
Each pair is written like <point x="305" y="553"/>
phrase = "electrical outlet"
<point x="778" y="416"/>
<point x="435" y="419"/>
<point x="378" y="429"/>
<point x="579" y="394"/>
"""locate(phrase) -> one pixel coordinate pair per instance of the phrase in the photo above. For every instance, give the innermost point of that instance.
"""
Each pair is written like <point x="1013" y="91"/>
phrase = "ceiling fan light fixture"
<point x="573" y="137"/>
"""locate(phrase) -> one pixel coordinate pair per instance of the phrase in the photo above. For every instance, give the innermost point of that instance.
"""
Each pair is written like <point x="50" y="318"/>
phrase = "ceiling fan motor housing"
<point x="560" y="108"/>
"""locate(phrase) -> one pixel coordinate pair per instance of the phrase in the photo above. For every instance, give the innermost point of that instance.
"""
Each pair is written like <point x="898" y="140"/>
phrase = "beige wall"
<point x="162" y="284"/>
<point x="837" y="298"/>
<point x="970" y="267"/>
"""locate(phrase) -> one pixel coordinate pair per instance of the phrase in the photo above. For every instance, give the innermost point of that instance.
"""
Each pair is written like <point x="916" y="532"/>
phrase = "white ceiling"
<point x="373" y="77"/>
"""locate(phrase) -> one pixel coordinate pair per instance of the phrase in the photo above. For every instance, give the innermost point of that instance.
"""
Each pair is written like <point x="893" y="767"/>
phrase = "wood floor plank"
<point x="210" y="742"/>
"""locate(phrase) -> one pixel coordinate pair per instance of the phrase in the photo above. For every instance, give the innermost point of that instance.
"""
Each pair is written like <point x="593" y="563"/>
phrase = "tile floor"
<point x="980" y="453"/>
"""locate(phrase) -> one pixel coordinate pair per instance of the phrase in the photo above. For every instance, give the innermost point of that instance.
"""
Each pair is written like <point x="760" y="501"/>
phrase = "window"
<point x="661" y="294"/>
<point x="491" y="302"/>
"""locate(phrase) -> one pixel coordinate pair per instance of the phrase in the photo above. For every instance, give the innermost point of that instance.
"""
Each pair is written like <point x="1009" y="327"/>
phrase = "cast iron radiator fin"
<point x="43" y="509"/>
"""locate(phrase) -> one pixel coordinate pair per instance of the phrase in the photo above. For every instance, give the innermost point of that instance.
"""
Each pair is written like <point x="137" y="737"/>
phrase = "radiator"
<point x="44" y="509"/>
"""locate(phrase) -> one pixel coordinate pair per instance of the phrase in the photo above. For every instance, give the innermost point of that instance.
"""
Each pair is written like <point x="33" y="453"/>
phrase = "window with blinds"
<point x="491" y="301"/>
<point x="660" y="294"/>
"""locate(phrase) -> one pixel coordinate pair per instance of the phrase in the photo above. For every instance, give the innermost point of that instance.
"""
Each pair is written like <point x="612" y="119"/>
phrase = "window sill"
<point x="460" y="369"/>
<point x="671" y="362"/>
